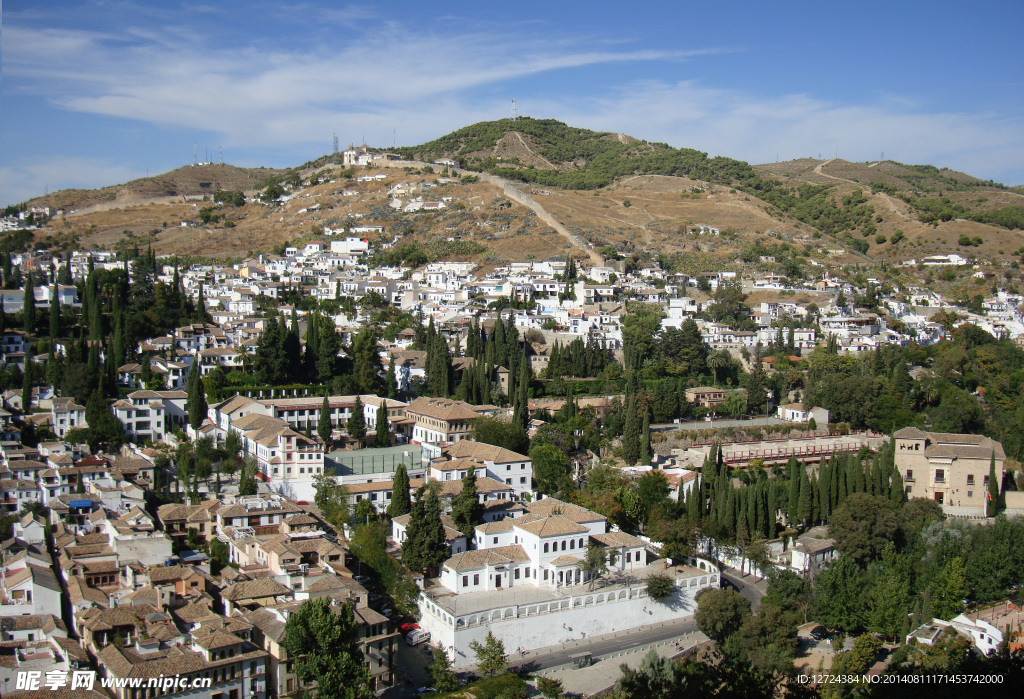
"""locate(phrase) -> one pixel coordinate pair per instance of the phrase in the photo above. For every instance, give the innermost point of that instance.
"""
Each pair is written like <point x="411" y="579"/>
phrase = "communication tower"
<point x="515" y="113"/>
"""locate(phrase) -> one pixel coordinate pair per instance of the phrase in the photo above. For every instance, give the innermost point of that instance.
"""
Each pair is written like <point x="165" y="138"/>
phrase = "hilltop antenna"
<point x="221" y="154"/>
<point x="335" y="151"/>
<point x="883" y="155"/>
<point x="195" y="154"/>
<point x="515" y="114"/>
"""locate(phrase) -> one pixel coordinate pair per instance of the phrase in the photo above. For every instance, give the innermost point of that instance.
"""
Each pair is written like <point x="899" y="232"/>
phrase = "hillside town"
<point x="420" y="450"/>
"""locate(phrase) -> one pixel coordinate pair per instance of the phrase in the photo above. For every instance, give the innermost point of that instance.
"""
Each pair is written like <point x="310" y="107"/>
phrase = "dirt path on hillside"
<point x="883" y="195"/>
<point x="512" y="190"/>
<point x="522" y="141"/>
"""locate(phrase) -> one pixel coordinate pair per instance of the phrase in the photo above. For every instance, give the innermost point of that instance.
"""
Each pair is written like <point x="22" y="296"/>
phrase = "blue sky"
<point x="100" y="92"/>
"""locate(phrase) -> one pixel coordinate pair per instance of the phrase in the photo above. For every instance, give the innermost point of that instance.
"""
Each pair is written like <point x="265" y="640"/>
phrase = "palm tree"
<point x="717" y="360"/>
<point x="243" y="358"/>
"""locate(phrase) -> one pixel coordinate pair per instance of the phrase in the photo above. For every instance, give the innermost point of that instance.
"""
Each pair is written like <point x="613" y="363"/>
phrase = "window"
<point x="476" y="578"/>
<point x="970" y="479"/>
<point x="572" y="544"/>
<point x="985" y="481"/>
<point x="465" y="580"/>
<point x="563" y="545"/>
<point x="522" y="480"/>
<point x="940" y="475"/>
<point x="508" y="481"/>
<point x="509" y="467"/>
<point x="909" y="476"/>
<point x="545" y="573"/>
<point x="628" y="557"/>
<point x="970" y="493"/>
<point x="494" y="540"/>
<point x="545" y="547"/>
<point x="517" y="574"/>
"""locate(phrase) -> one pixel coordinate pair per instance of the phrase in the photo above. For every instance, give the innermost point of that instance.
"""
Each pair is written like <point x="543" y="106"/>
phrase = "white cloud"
<point x="28" y="179"/>
<point x="421" y="84"/>
<point x="739" y="125"/>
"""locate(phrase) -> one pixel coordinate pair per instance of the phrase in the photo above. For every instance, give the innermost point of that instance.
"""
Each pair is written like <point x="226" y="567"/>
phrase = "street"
<point x="748" y="587"/>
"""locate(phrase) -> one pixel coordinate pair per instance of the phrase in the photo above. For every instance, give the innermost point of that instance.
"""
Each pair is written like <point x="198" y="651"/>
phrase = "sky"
<point x="99" y="92"/>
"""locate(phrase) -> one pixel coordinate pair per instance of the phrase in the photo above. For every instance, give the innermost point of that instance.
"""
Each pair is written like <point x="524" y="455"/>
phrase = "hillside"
<point x="626" y="197"/>
<point x="864" y="206"/>
<point x="187" y="181"/>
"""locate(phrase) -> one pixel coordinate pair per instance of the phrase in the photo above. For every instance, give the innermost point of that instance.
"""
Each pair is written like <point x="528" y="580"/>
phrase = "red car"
<point x="301" y="502"/>
<point x="407" y="627"/>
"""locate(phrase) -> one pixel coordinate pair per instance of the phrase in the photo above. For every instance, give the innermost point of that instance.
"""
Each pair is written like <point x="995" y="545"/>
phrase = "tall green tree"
<point x="889" y="595"/>
<point x="839" y="596"/>
<point x="383" y="434"/>
<point x="720" y="613"/>
<point x="195" y="404"/>
<point x="467" y="511"/>
<point x="631" y="433"/>
<point x="400" y="501"/>
<point x="324" y="429"/>
<point x="863" y="526"/>
<point x="54" y="319"/>
<point x="29" y="306"/>
<point x="323" y="641"/>
<point x="992" y="504"/>
<point x="490" y="656"/>
<point x="355" y="427"/>
<point x="550" y="468"/>
<point x="949" y="588"/>
<point x="331" y="498"/>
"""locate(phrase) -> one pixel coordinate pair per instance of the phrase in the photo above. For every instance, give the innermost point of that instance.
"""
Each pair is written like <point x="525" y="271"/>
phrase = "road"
<point x="603" y="647"/>
<point x="745" y="587"/>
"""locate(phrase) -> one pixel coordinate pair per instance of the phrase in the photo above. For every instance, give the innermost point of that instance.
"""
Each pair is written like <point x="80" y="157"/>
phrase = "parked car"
<point x="818" y="633"/>
<point x="414" y="638"/>
<point x="361" y="579"/>
<point x="301" y="502"/>
<point x="407" y="627"/>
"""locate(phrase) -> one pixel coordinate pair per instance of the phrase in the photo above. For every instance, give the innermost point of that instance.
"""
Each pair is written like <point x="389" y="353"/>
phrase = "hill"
<point x="626" y="197"/>
<point x="549" y="153"/>
<point x="187" y="181"/>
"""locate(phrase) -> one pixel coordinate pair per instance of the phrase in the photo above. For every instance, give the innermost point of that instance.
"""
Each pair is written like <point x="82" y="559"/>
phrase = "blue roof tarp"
<point x="80" y="503"/>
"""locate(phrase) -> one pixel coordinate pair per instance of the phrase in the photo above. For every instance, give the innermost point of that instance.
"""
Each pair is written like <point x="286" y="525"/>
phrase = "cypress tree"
<point x="896" y="493"/>
<point x="631" y="433"/>
<point x="773" y="509"/>
<point x="324" y="428"/>
<point x="356" y="425"/>
<point x="383" y="433"/>
<point x="400" y="503"/>
<point x="729" y="516"/>
<point x="26" y="385"/>
<point x="435" y="544"/>
<point x="645" y="441"/>
<point x="466" y="508"/>
<point x="415" y="531"/>
<point x="794" y="490"/>
<point x="805" y="507"/>
<point x="391" y="384"/>
<point x="993" y="488"/>
<point x="29" y="306"/>
<point x="54" y="319"/>
<point x="196" y="402"/>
